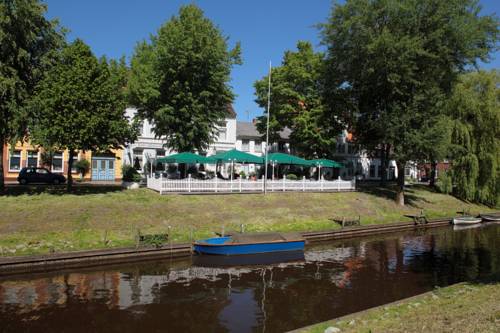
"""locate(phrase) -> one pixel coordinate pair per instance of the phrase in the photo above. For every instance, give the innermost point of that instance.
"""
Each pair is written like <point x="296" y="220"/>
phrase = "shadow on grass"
<point x="389" y="192"/>
<point x="78" y="189"/>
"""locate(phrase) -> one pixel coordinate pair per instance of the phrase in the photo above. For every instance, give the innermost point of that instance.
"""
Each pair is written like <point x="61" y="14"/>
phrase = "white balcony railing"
<point x="215" y="185"/>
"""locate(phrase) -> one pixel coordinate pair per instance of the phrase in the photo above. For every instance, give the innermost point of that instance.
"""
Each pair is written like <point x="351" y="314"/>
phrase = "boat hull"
<point x="466" y="220"/>
<point x="490" y="218"/>
<point x="246" y="248"/>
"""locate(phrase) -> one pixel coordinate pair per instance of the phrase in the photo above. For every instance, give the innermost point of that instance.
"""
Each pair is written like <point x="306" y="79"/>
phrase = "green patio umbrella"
<point x="282" y="158"/>
<point x="325" y="163"/>
<point x="187" y="158"/>
<point x="236" y="156"/>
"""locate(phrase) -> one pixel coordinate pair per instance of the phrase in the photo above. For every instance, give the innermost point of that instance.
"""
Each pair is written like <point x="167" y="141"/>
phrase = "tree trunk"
<point x="2" y="186"/>
<point x="69" y="181"/>
<point x="400" y="191"/>
<point x="432" y="176"/>
<point x="383" y="166"/>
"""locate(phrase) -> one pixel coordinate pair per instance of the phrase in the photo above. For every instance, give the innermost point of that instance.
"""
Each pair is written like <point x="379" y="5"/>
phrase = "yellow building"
<point x="103" y="166"/>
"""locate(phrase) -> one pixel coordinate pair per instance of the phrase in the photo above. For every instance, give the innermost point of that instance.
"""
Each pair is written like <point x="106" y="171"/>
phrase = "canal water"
<point x="329" y="280"/>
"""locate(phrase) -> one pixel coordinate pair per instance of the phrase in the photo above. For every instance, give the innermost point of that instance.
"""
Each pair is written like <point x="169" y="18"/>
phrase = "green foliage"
<point x="130" y="174"/>
<point x="392" y="64"/>
<point x="28" y="41"/>
<point x="82" y="166"/>
<point x="243" y="175"/>
<point x="180" y="80"/>
<point x="444" y="183"/>
<point x="292" y="176"/>
<point x="80" y="105"/>
<point x="297" y="103"/>
<point x="475" y="110"/>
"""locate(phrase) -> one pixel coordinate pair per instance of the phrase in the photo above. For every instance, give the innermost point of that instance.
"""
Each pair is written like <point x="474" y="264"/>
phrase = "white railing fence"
<point x="216" y="185"/>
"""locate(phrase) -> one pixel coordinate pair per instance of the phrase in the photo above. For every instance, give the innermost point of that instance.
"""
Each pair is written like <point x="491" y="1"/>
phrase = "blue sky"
<point x="265" y="29"/>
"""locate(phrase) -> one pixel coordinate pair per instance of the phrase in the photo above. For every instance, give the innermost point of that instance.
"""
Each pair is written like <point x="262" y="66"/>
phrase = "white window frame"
<point x="20" y="160"/>
<point x="247" y="149"/>
<point x="62" y="163"/>
<point x="37" y="153"/>
<point x="219" y="137"/>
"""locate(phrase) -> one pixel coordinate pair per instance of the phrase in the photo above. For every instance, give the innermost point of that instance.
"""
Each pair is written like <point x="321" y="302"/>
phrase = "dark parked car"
<point x="39" y="175"/>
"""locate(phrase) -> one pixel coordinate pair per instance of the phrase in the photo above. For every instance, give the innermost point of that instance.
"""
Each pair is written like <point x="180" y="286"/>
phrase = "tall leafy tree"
<point x="397" y="61"/>
<point x="27" y="41"/>
<point x="80" y="105"/>
<point x="297" y="103"/>
<point x="475" y="110"/>
<point x="180" y="80"/>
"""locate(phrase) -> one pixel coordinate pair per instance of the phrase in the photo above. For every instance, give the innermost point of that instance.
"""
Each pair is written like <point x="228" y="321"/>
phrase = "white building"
<point x="245" y="137"/>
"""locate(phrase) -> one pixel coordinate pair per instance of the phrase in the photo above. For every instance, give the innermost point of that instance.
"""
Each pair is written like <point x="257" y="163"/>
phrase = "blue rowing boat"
<point x="249" y="243"/>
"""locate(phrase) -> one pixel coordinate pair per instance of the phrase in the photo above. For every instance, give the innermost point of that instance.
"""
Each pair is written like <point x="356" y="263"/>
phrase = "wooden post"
<point x="303" y="183"/>
<point x="284" y="179"/>
<point x="216" y="182"/>
<point x="240" y="184"/>
<point x="189" y="183"/>
<point x="161" y="183"/>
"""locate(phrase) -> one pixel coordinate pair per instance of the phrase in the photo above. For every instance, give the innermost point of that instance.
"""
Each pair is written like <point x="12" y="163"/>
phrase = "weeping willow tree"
<point x="475" y="110"/>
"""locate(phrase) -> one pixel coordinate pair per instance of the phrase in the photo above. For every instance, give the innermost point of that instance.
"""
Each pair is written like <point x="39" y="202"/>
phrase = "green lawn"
<point x="39" y="220"/>
<point x="459" y="309"/>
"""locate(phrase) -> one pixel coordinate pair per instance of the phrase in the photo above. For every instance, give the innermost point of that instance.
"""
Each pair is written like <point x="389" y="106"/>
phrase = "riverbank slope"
<point x="37" y="220"/>
<point x="460" y="308"/>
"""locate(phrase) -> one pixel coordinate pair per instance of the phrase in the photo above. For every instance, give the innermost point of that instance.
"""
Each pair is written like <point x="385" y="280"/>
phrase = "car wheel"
<point x="56" y="181"/>
<point x="23" y="181"/>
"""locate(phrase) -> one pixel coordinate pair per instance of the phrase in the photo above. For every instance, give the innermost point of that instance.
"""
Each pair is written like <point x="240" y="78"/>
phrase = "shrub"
<point x="291" y="176"/>
<point x="130" y="174"/>
<point x="82" y="166"/>
<point x="243" y="175"/>
<point x="444" y="183"/>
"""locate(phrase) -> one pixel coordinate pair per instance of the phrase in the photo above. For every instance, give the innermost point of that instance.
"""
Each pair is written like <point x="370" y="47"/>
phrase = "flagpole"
<point x="267" y="127"/>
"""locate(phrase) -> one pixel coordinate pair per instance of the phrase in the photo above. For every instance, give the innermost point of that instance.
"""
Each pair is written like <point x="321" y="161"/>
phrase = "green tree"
<point x="80" y="105"/>
<point x="475" y="110"/>
<point x="179" y="80"/>
<point x="27" y="41"/>
<point x="397" y="61"/>
<point x="297" y="103"/>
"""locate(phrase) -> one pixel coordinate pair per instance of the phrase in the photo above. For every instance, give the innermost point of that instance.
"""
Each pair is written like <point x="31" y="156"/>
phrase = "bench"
<point x="418" y="219"/>
<point x="344" y="222"/>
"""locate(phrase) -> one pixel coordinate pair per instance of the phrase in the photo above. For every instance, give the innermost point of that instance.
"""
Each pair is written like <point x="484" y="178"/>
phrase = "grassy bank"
<point x="41" y="220"/>
<point x="460" y="308"/>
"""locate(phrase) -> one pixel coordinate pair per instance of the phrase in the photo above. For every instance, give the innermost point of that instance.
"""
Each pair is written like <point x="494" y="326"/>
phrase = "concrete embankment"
<point x="57" y="261"/>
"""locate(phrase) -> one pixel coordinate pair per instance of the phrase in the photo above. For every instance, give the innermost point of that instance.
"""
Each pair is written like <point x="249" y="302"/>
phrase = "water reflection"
<point x="332" y="279"/>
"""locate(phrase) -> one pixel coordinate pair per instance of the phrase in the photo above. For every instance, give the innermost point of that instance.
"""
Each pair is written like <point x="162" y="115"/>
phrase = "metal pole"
<point x="267" y="128"/>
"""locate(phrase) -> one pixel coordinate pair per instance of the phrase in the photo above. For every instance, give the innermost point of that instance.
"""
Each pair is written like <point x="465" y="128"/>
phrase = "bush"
<point x="130" y="174"/>
<point x="82" y="166"/>
<point x="444" y="183"/>
<point x="243" y="175"/>
<point x="291" y="176"/>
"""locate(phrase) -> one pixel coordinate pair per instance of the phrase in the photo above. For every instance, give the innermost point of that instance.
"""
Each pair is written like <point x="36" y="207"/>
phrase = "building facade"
<point x="103" y="166"/>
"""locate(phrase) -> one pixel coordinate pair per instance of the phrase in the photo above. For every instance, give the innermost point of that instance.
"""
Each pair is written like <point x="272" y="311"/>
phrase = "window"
<point x="222" y="134"/>
<point x="15" y="160"/>
<point x="245" y="145"/>
<point x="258" y="146"/>
<point x="57" y="162"/>
<point x="372" y="171"/>
<point x="32" y="159"/>
<point x="42" y="171"/>
<point x="75" y="159"/>
<point x="340" y="148"/>
<point x="407" y="172"/>
<point x="136" y="158"/>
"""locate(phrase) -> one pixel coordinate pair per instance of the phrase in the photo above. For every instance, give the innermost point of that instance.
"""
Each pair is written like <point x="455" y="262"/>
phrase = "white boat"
<point x="466" y="220"/>
<point x="490" y="217"/>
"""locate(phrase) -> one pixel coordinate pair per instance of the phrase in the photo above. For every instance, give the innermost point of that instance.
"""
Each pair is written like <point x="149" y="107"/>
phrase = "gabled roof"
<point x="230" y="111"/>
<point x="245" y="129"/>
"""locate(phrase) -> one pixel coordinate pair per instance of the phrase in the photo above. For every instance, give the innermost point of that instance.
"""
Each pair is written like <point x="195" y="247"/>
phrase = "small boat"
<point x="466" y="220"/>
<point x="250" y="243"/>
<point x="490" y="217"/>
